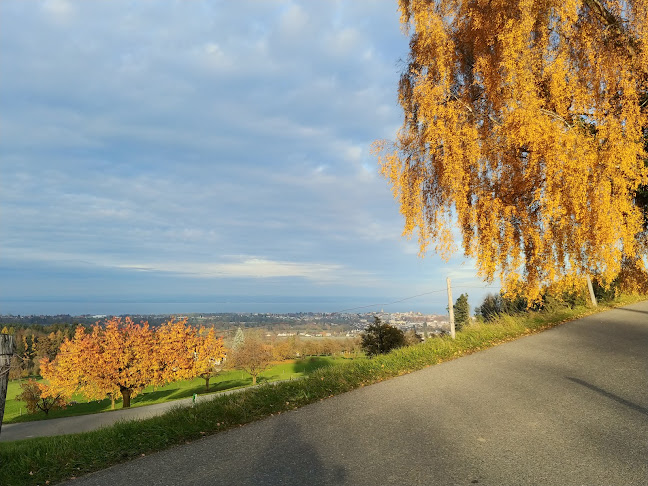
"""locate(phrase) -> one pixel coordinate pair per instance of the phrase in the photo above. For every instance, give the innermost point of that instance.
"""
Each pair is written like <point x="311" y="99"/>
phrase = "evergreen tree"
<point x="239" y="339"/>
<point x="461" y="312"/>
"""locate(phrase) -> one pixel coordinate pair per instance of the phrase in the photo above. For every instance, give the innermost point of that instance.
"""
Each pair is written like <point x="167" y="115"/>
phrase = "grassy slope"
<point x="15" y="409"/>
<point x="35" y="461"/>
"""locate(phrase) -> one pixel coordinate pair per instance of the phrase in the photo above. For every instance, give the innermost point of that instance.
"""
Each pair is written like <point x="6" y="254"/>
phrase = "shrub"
<point x="412" y="337"/>
<point x="380" y="338"/>
<point x="495" y="305"/>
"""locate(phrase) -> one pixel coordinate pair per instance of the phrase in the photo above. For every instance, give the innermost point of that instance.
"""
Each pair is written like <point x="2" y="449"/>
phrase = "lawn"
<point x="15" y="410"/>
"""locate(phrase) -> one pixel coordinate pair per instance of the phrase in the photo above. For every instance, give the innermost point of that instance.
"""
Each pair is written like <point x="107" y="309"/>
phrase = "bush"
<point x="34" y="396"/>
<point x="495" y="305"/>
<point x="412" y="338"/>
<point x="380" y="338"/>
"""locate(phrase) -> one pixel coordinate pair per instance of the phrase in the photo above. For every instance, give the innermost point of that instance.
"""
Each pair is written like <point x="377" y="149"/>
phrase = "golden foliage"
<point x="124" y="357"/>
<point x="209" y="355"/>
<point x="39" y="396"/>
<point x="523" y="123"/>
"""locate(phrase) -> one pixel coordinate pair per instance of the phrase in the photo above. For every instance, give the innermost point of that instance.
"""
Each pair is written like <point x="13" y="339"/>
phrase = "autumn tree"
<point x="285" y="348"/>
<point x="123" y="357"/>
<point x="175" y="358"/>
<point x="523" y="124"/>
<point x="209" y="355"/>
<point x="253" y="356"/>
<point x="119" y="357"/>
<point x="39" y="396"/>
<point x="72" y="370"/>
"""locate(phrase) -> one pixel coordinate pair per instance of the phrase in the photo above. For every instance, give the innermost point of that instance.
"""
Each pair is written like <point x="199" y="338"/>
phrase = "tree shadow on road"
<point x="290" y="459"/>
<point x="609" y="395"/>
<point x="632" y="310"/>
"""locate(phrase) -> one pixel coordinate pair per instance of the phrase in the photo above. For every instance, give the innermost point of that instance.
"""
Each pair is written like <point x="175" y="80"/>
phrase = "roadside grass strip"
<point x="48" y="460"/>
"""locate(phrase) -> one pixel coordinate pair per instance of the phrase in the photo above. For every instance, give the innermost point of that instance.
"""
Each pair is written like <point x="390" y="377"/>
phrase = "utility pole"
<point x="591" y="290"/>
<point x="451" y="309"/>
<point x="6" y="351"/>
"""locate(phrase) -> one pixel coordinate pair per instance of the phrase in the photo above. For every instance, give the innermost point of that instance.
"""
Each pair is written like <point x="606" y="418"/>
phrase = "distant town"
<point x="305" y="324"/>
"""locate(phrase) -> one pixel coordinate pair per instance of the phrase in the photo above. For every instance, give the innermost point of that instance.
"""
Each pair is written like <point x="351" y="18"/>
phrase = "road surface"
<point x="565" y="407"/>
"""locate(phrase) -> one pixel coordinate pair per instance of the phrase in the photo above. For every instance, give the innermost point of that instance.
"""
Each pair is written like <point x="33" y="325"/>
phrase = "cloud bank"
<point x="203" y="142"/>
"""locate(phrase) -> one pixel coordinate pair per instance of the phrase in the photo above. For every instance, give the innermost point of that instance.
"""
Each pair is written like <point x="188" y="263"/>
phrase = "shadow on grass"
<point x="147" y="398"/>
<point x="82" y="408"/>
<point x="308" y="365"/>
<point x="157" y="396"/>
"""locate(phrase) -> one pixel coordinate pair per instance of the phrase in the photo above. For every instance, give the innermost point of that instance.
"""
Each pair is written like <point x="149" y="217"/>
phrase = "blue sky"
<point x="175" y="153"/>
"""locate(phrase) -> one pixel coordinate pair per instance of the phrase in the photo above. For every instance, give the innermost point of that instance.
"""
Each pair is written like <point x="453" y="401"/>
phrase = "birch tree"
<point x="524" y="123"/>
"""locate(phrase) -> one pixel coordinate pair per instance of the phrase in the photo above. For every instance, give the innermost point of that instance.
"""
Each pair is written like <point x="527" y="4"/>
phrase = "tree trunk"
<point x="126" y="396"/>
<point x="206" y="378"/>
<point x="6" y="351"/>
<point x="112" y="401"/>
<point x="254" y="379"/>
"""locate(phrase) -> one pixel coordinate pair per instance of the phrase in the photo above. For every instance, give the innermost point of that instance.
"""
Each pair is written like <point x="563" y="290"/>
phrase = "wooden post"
<point x="591" y="291"/>
<point x="451" y="309"/>
<point x="6" y="351"/>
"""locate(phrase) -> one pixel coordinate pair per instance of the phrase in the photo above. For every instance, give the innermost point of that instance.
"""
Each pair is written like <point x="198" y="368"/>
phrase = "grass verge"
<point x="51" y="459"/>
<point x="15" y="410"/>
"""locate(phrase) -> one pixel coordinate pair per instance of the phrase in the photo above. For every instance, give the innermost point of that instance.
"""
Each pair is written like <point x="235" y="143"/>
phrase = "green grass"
<point x="35" y="461"/>
<point x="15" y="410"/>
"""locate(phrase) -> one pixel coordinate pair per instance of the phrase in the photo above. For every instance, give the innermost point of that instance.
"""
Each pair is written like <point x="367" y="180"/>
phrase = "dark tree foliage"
<point x="490" y="308"/>
<point x="380" y="338"/>
<point x="461" y="312"/>
<point x="494" y="305"/>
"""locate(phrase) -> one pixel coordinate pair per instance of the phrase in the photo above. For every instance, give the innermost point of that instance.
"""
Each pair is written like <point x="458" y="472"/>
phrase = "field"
<point x="15" y="410"/>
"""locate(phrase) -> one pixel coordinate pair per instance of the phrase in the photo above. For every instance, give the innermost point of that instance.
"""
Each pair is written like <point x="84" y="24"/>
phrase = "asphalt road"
<point x="565" y="407"/>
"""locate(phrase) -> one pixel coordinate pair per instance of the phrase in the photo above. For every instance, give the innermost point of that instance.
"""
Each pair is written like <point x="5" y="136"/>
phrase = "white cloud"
<point x="164" y="135"/>
<point x="345" y="42"/>
<point x="249" y="267"/>
<point x="60" y="10"/>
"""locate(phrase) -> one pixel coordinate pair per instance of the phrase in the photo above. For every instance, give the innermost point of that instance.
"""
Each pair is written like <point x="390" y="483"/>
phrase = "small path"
<point x="86" y="423"/>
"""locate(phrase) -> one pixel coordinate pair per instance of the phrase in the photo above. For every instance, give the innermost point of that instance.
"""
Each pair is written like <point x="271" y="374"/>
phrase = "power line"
<point x="389" y="303"/>
<point x="414" y="297"/>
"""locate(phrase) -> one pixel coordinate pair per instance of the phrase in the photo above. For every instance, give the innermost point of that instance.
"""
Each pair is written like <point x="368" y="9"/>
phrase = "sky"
<point x="165" y="156"/>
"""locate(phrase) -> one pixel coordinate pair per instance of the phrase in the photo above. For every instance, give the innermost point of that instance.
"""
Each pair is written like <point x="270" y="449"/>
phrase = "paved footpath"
<point x="568" y="406"/>
<point x="86" y="423"/>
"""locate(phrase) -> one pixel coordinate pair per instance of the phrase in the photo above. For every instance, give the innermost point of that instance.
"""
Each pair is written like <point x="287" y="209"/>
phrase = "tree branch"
<point x="612" y="22"/>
